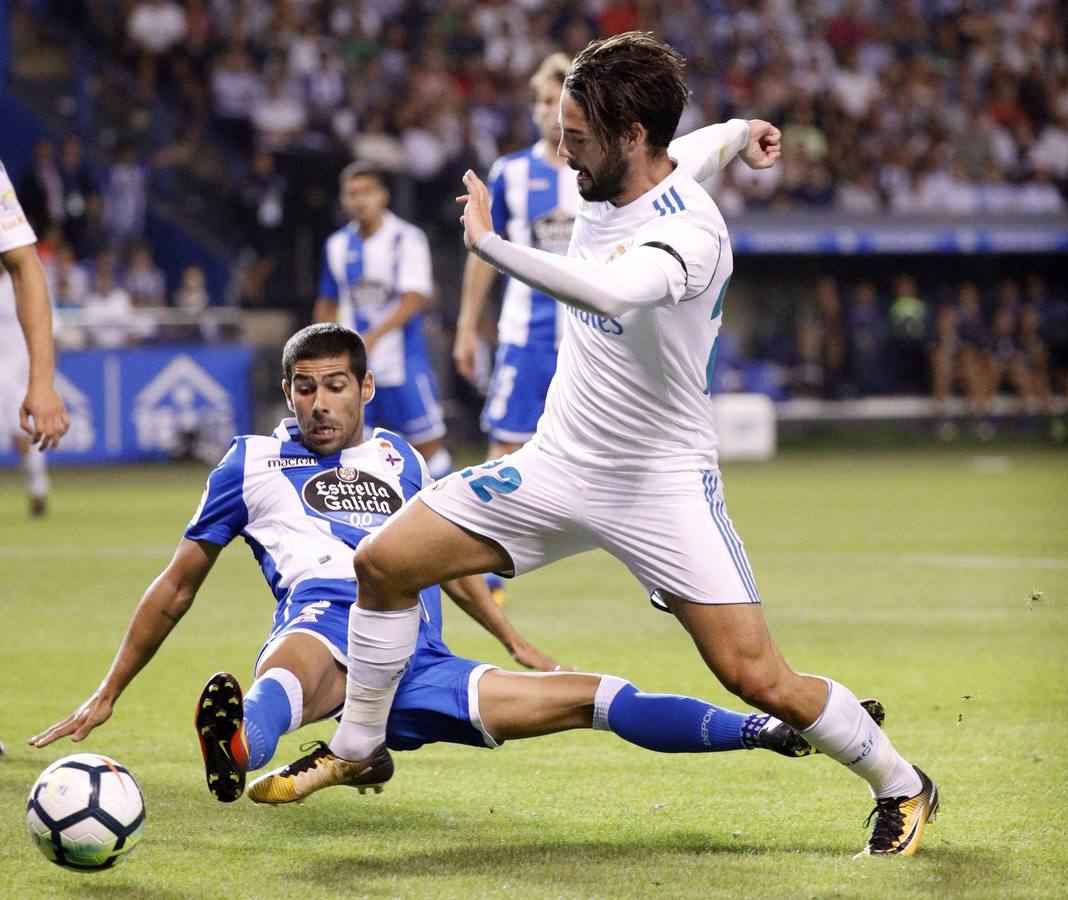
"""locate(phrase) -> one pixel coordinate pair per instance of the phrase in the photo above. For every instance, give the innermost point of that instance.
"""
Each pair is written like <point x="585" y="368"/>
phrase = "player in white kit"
<point x="624" y="457"/>
<point x="31" y="411"/>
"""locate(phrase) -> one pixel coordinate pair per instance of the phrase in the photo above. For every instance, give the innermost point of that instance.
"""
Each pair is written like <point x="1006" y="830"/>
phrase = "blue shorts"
<point x="437" y="699"/>
<point x="516" y="398"/>
<point x="410" y="409"/>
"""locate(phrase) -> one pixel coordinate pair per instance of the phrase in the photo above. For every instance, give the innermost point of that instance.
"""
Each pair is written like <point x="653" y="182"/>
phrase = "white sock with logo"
<point x="845" y="732"/>
<point x="380" y="645"/>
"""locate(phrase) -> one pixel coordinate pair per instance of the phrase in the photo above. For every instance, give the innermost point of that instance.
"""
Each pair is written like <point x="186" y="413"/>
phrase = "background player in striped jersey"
<point x="31" y="411"/>
<point x="302" y="499"/>
<point x="624" y="458"/>
<point x="534" y="202"/>
<point x="377" y="279"/>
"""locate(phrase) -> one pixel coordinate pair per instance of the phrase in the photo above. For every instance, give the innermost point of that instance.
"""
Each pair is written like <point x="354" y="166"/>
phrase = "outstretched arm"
<point x="609" y="290"/>
<point x="472" y="595"/>
<point x="42" y="404"/>
<point x="162" y="606"/>
<point x="705" y="151"/>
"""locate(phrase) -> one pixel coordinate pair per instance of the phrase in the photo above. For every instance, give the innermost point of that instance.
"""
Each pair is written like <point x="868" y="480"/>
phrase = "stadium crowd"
<point x="856" y="340"/>
<point x="249" y="109"/>
<point x="942" y="106"/>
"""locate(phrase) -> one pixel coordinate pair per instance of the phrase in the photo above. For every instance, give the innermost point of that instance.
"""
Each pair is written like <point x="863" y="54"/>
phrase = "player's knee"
<point x="756" y="684"/>
<point x="372" y="575"/>
<point x="380" y="585"/>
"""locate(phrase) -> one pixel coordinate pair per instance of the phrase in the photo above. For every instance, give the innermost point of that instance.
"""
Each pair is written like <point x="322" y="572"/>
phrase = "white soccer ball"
<point x="85" y="812"/>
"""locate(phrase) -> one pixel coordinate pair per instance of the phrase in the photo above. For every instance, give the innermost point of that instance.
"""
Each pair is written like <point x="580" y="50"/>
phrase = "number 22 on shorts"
<point x="501" y="481"/>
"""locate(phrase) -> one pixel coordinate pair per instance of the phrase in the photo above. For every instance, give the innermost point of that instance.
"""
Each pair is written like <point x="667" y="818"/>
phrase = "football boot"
<point x="221" y="732"/>
<point x="320" y="768"/>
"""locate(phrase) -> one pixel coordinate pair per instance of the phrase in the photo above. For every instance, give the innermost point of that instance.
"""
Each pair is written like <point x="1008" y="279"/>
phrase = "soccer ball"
<point x="85" y="812"/>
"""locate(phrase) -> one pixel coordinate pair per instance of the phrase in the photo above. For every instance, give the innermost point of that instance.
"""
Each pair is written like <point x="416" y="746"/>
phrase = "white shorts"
<point x="670" y="529"/>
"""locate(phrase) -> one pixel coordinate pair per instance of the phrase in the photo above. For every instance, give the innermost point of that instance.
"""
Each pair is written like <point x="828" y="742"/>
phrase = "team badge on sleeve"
<point x="390" y="457"/>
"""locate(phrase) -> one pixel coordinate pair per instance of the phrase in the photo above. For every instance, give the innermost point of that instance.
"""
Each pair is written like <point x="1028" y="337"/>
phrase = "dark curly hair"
<point x="628" y="78"/>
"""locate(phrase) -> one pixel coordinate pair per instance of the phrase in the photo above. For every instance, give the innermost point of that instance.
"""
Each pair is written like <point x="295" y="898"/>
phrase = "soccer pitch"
<point x="935" y="580"/>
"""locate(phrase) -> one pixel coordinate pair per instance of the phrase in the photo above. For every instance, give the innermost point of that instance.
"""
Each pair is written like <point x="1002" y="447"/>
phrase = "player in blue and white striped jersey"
<point x="535" y="201"/>
<point x="377" y="279"/>
<point x="302" y="499"/>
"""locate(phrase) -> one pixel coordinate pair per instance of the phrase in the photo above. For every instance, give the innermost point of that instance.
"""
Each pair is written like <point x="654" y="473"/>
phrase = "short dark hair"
<point x="323" y="340"/>
<point x="361" y="169"/>
<point x="631" y="77"/>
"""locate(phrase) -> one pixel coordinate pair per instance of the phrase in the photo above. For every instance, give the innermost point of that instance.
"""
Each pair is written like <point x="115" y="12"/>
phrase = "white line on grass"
<point x="72" y="551"/>
<point x="941" y="560"/>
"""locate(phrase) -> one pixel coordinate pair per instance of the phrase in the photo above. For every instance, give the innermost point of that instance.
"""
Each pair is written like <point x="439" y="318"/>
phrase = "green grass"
<point x="905" y="576"/>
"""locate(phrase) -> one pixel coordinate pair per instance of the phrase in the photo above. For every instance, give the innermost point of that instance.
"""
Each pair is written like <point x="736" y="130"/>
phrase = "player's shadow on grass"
<point x="944" y="868"/>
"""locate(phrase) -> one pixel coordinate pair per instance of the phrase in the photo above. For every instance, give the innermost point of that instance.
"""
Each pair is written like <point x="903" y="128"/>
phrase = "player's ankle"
<point x="354" y="741"/>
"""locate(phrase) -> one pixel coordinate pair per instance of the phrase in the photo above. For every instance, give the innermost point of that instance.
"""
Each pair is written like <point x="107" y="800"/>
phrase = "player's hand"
<point x="526" y="654"/>
<point x="476" y="218"/>
<point x="94" y="711"/>
<point x="464" y="351"/>
<point x="764" y="146"/>
<point x="43" y="416"/>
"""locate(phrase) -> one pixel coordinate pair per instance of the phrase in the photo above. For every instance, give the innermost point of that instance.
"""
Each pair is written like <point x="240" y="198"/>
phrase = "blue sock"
<point x="268" y="715"/>
<point x="669" y="723"/>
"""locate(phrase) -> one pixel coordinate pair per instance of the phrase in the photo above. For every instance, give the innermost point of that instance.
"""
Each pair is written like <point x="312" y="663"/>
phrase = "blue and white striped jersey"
<point x="367" y="276"/>
<point x="303" y="515"/>
<point x="532" y="203"/>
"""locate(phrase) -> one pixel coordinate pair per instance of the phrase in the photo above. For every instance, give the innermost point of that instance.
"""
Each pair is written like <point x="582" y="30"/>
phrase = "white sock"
<point x="609" y="686"/>
<point x="380" y="645"/>
<point x="440" y="464"/>
<point x="33" y="461"/>
<point x="846" y="733"/>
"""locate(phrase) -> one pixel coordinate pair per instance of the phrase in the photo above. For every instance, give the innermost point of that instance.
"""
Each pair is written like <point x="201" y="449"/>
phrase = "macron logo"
<point x="288" y="462"/>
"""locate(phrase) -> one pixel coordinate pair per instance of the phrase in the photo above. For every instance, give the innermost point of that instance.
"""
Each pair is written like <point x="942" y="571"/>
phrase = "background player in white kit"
<point x="31" y="411"/>
<point x="624" y="457"/>
<point x="376" y="278"/>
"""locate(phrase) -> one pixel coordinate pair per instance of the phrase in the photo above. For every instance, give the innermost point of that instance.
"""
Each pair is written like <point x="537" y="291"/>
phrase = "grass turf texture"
<point x="908" y="577"/>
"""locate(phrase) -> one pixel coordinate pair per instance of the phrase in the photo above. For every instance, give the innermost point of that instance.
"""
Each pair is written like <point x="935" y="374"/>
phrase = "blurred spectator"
<point x="192" y="293"/>
<point x="68" y="281"/>
<point x="324" y="85"/>
<point x="869" y="342"/>
<point x="154" y="28"/>
<point x="236" y="89"/>
<point x="1035" y="361"/>
<point x="108" y="309"/>
<point x="81" y="197"/>
<point x="958" y="349"/>
<point x="1052" y="313"/>
<point x="908" y="327"/>
<point x="821" y="345"/>
<point x="278" y="115"/>
<point x="41" y="188"/>
<point x="263" y="200"/>
<point x="126" y="197"/>
<point x="144" y="280"/>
